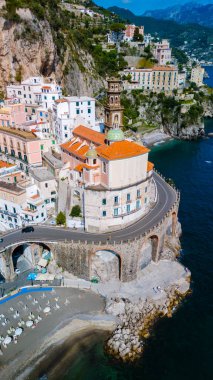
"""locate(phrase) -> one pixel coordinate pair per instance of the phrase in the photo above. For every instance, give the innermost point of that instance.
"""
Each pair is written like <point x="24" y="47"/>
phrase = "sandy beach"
<point x="79" y="314"/>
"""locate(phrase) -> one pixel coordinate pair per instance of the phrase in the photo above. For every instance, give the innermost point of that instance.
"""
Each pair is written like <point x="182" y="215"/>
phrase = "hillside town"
<point x="94" y="107"/>
<point x="56" y="152"/>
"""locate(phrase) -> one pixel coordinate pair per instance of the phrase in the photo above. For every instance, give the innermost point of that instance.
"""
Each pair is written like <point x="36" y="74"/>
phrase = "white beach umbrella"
<point x="47" y="309"/>
<point x="7" y="340"/>
<point x="29" y="323"/>
<point x="18" y="331"/>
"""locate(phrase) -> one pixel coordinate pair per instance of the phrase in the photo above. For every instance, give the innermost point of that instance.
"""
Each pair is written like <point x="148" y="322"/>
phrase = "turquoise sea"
<point x="180" y="348"/>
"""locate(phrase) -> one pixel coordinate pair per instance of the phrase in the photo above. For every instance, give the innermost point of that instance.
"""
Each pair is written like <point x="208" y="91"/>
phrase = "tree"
<point x="137" y="36"/>
<point x="61" y="218"/>
<point x="76" y="211"/>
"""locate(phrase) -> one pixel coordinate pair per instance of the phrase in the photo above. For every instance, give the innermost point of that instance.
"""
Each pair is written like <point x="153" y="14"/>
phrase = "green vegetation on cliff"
<point x="145" y="112"/>
<point x="72" y="31"/>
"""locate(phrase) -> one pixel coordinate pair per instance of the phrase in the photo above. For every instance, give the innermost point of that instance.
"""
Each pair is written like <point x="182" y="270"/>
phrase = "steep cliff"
<point x="30" y="46"/>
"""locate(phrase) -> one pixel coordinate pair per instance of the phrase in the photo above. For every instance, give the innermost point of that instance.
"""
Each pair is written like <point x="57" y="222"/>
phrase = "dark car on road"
<point x="27" y="229"/>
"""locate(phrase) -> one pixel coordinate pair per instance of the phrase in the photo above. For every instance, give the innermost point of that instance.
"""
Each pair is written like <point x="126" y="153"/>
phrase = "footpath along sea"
<point x="180" y="347"/>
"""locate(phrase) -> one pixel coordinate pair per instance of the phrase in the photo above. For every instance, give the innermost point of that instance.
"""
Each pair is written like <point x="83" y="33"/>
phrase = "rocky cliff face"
<point x="28" y="48"/>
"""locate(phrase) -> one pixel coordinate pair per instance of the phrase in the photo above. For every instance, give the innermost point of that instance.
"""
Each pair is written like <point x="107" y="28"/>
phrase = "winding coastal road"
<point x="166" y="199"/>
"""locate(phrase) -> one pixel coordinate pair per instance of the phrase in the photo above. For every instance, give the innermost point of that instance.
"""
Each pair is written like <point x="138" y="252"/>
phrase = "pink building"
<point x="23" y="147"/>
<point x="13" y="114"/>
<point x="130" y="31"/>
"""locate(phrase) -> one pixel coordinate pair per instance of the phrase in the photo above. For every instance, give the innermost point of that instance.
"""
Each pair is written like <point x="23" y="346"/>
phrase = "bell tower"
<point x="113" y="108"/>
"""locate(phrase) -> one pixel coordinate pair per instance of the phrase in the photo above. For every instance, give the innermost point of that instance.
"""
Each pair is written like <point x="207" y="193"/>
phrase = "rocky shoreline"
<point x="137" y="320"/>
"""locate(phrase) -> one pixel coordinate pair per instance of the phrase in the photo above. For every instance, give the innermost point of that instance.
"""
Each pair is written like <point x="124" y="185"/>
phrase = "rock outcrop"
<point x="28" y="48"/>
<point x="136" y="319"/>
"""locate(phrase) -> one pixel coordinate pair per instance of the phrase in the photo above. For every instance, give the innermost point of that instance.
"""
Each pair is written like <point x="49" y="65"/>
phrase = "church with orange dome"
<point x="112" y="174"/>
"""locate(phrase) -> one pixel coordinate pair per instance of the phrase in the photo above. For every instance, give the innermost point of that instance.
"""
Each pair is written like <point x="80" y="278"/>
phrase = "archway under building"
<point x="105" y="265"/>
<point x="26" y="256"/>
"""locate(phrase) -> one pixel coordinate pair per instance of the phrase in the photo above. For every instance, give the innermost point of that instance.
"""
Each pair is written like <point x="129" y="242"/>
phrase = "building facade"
<point x="34" y="91"/>
<point x="197" y="75"/>
<point x="156" y="79"/>
<point x="71" y="111"/>
<point x="130" y="31"/>
<point x="162" y="52"/>
<point x="112" y="176"/>
<point x="21" y="204"/>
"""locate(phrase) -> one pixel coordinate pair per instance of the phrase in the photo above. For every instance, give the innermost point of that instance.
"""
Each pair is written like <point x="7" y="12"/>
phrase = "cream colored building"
<point x="156" y="79"/>
<point x="113" y="179"/>
<point x="197" y="75"/>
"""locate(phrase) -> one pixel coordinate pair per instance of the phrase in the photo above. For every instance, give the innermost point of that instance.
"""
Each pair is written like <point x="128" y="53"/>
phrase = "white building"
<point x="21" y="204"/>
<point x="162" y="52"/>
<point x="182" y="79"/>
<point x="197" y="75"/>
<point x="35" y="90"/>
<point x="147" y="39"/>
<point x="71" y="111"/>
<point x="47" y="185"/>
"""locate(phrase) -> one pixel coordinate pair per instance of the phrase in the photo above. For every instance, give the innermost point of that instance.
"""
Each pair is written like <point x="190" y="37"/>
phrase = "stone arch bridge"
<point x="118" y="255"/>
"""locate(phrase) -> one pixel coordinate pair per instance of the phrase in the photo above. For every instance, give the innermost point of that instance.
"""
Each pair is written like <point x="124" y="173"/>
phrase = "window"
<point x="94" y="161"/>
<point x="30" y="96"/>
<point x="14" y="210"/>
<point x="138" y="193"/>
<point x="146" y="189"/>
<point x="115" y="211"/>
<point x="66" y="135"/>
<point x="53" y="97"/>
<point x="116" y="199"/>
<point x="41" y="113"/>
<point x="104" y="201"/>
<point x="53" y="142"/>
<point x="78" y="111"/>
<point x="5" y="206"/>
<point x="145" y="201"/>
<point x="46" y="184"/>
<point x="138" y="204"/>
<point x="19" y="92"/>
<point x="104" y="169"/>
<point x="42" y="147"/>
<point x="89" y="103"/>
<point x="53" y="192"/>
<point x="128" y="197"/>
<point x="128" y="209"/>
<point x="15" y="220"/>
<point x="46" y="201"/>
<point x="65" y="128"/>
<point x="77" y="104"/>
<point x="89" y="110"/>
<point x="42" y="214"/>
<point x="45" y="98"/>
<point x="104" y="213"/>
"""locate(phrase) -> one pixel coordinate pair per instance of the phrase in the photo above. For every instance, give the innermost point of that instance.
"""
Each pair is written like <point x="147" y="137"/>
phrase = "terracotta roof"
<point x="121" y="150"/>
<point x="150" y="166"/>
<point x="80" y="167"/>
<point x="12" y="131"/>
<point x="74" y="148"/>
<point x="5" y="165"/>
<point x="46" y="87"/>
<point x="90" y="135"/>
<point x="35" y="196"/>
<point x="61" y="100"/>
